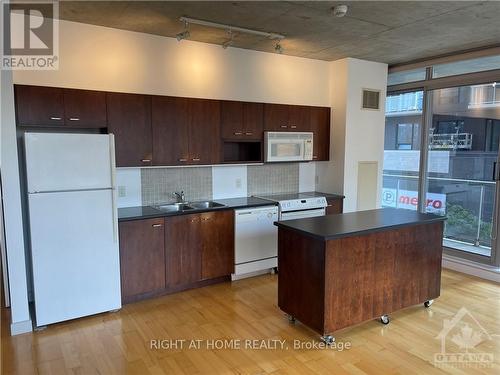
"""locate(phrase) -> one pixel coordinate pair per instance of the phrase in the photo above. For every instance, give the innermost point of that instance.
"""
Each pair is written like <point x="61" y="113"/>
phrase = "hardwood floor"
<point x="120" y="343"/>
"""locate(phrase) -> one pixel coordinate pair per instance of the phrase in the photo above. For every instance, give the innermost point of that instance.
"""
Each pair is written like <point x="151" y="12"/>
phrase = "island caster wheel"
<point x="291" y="319"/>
<point x="385" y="319"/>
<point x="328" y="339"/>
<point x="428" y="303"/>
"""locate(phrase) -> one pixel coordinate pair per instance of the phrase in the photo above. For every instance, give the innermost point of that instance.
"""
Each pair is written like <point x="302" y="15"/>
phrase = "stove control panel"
<point x="302" y="204"/>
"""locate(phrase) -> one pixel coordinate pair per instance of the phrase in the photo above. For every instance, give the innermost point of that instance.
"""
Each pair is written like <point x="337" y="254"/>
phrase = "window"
<point x="406" y="76"/>
<point x="402" y="150"/>
<point x="467" y="66"/>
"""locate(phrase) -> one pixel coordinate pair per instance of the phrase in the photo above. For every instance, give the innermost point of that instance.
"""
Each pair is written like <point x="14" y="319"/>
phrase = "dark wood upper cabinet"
<point x="170" y="124"/>
<point x="276" y="117"/>
<point x="320" y="126"/>
<point x="217" y="253"/>
<point x="204" y="131"/>
<point x="299" y="118"/>
<point x="129" y="119"/>
<point x="185" y="131"/>
<point x="232" y="126"/>
<point x="39" y="106"/>
<point x="52" y="106"/>
<point x="85" y="108"/>
<point x="142" y="257"/>
<point x="182" y="250"/>
<point x="283" y="117"/>
<point x="242" y="120"/>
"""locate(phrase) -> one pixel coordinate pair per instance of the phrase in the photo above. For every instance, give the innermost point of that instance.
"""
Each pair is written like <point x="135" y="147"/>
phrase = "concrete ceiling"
<point x="386" y="31"/>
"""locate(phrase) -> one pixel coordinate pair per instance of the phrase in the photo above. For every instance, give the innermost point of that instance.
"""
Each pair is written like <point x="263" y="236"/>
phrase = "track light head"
<point x="278" y="48"/>
<point x="183" y="35"/>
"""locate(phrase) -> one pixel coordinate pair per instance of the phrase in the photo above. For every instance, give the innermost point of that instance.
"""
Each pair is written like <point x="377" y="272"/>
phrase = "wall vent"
<point x="371" y="99"/>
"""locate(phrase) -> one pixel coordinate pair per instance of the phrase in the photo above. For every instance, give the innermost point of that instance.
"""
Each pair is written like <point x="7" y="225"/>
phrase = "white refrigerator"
<point x="73" y="225"/>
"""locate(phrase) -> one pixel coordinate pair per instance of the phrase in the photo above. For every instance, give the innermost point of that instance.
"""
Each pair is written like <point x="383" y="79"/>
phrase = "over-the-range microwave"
<point x="288" y="146"/>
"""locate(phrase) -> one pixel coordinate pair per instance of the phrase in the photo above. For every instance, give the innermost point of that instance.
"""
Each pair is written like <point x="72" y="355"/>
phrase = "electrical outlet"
<point x="316" y="179"/>
<point x="122" y="191"/>
<point x="238" y="183"/>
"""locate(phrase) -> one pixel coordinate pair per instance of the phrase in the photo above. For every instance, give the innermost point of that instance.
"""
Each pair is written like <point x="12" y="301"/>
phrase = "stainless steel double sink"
<point x="188" y="206"/>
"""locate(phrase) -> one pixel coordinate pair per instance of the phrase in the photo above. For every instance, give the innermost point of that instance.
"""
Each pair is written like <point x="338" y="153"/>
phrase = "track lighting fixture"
<point x="184" y="34"/>
<point x="230" y="30"/>
<point x="278" y="48"/>
<point x="230" y="41"/>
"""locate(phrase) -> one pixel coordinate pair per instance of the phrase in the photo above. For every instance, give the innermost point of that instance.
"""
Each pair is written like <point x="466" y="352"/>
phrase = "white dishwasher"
<point x="256" y="241"/>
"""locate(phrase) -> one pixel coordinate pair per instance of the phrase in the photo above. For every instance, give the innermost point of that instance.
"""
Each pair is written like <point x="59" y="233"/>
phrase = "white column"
<point x="14" y="232"/>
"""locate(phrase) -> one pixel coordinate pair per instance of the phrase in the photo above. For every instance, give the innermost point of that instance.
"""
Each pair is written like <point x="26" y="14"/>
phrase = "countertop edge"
<point x="360" y="232"/>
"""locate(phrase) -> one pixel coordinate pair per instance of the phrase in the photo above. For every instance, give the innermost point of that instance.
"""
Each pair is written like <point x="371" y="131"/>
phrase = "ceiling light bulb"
<point x="340" y="10"/>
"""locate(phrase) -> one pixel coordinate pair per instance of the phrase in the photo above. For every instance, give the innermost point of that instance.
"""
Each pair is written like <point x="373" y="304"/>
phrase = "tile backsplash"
<point x="273" y="178"/>
<point x="158" y="184"/>
<point x="150" y="186"/>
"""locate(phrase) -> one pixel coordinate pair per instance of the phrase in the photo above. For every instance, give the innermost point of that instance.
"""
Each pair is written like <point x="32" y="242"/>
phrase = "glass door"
<point x="463" y="143"/>
<point x="403" y="126"/>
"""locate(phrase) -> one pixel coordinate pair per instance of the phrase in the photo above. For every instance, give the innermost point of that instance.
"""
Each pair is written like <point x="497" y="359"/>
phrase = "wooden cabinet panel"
<point x="85" y="108"/>
<point x="335" y="206"/>
<point x="204" y="131"/>
<point x="299" y="118"/>
<point x="253" y="120"/>
<point x="217" y="253"/>
<point x="320" y="126"/>
<point x="170" y="124"/>
<point x="182" y="250"/>
<point x="129" y="119"/>
<point x="242" y="120"/>
<point x="142" y="257"/>
<point x="276" y="117"/>
<point x="282" y="117"/>
<point x="39" y="106"/>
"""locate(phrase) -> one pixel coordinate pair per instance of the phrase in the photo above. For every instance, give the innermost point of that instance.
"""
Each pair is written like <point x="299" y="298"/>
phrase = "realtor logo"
<point x="30" y="35"/>
<point x="460" y="338"/>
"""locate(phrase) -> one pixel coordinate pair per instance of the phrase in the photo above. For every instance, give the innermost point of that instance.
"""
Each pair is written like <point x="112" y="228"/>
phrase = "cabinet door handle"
<point x="182" y="159"/>
<point x="283" y="126"/>
<point x="146" y="160"/>
<point x="156" y="225"/>
<point x="196" y="159"/>
<point x="315" y="157"/>
<point x="248" y="133"/>
<point x="294" y="126"/>
<point x="74" y="119"/>
<point x="205" y="218"/>
<point x="55" y="118"/>
<point x="238" y="133"/>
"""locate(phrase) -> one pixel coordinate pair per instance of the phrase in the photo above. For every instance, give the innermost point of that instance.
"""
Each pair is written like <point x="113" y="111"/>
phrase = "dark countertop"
<point x="148" y="212"/>
<point x="331" y="227"/>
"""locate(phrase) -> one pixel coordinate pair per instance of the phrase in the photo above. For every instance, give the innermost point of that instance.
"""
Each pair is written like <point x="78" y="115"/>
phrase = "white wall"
<point x="100" y="58"/>
<point x="14" y="237"/>
<point x="357" y="135"/>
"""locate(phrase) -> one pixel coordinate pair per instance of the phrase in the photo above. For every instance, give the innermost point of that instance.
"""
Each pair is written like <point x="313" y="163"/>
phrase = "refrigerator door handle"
<point x="113" y="185"/>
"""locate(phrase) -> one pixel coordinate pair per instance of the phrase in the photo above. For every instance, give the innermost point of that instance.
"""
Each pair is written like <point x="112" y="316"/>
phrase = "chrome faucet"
<point x="181" y="198"/>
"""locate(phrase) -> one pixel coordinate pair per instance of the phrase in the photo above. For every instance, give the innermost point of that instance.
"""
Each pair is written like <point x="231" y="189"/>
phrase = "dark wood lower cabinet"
<point x="182" y="250"/>
<point x="335" y="206"/>
<point x="166" y="255"/>
<point x="217" y="244"/>
<point x="142" y="258"/>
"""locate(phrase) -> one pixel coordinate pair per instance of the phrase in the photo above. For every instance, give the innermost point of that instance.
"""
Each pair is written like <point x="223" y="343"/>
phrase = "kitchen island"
<point x="336" y="271"/>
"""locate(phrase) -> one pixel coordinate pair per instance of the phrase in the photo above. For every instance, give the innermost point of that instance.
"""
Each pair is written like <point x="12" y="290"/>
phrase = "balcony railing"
<point x="451" y="141"/>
